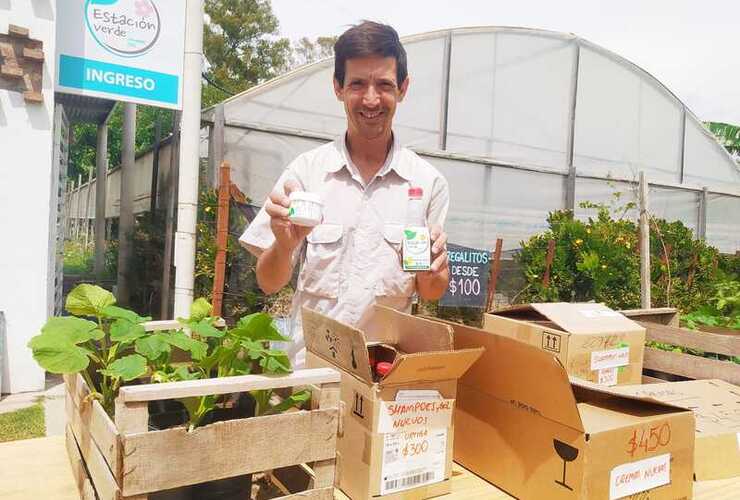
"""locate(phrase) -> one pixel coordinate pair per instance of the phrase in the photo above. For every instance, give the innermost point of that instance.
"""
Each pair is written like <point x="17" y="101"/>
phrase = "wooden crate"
<point x="662" y="326"/>
<point x="122" y="459"/>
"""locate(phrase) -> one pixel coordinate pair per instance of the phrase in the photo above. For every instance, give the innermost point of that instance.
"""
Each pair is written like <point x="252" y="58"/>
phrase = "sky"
<point x="691" y="46"/>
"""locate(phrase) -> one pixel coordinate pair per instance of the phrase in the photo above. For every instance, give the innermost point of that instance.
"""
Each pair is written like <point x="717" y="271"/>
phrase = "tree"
<point x="241" y="44"/>
<point x="305" y="51"/>
<point x="728" y="135"/>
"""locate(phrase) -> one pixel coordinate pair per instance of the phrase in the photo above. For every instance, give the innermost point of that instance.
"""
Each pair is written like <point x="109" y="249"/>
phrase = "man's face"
<point x="370" y="94"/>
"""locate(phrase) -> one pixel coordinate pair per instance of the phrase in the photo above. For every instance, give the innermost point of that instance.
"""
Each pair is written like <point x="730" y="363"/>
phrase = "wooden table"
<point x="39" y="468"/>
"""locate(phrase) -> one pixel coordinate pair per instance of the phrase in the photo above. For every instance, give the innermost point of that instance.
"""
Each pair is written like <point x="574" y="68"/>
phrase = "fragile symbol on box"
<point x="357" y="408"/>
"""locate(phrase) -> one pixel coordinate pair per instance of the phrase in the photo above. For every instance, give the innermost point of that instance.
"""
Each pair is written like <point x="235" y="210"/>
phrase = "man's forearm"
<point x="432" y="286"/>
<point x="274" y="268"/>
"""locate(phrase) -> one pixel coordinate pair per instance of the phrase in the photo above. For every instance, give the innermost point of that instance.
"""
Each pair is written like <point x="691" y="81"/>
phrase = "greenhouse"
<point x="521" y="122"/>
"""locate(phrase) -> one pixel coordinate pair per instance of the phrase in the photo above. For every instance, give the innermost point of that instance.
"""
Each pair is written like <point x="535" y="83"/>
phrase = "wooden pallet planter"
<point x="122" y="460"/>
<point x="662" y="327"/>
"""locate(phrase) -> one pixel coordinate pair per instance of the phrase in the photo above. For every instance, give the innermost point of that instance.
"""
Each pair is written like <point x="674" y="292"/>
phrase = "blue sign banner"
<point x="87" y="74"/>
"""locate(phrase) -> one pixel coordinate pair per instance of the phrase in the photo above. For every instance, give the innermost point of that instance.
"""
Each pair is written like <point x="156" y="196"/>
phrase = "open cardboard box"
<point x="395" y="440"/>
<point x="521" y="424"/>
<point x="592" y="341"/>
<point x="716" y="406"/>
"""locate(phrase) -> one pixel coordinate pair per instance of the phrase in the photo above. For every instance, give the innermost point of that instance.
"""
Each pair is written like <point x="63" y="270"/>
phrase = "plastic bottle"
<point x="416" y="248"/>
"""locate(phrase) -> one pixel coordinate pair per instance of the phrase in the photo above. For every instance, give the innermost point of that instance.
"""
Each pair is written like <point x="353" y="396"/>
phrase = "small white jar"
<point x="305" y="208"/>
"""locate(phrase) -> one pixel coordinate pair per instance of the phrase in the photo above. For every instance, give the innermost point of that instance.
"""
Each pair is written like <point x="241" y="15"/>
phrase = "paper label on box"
<point x="412" y="459"/>
<point x="608" y="376"/>
<point x="610" y="358"/>
<point x="417" y="395"/>
<point x="395" y="416"/>
<point x="594" y="313"/>
<point x="634" y="477"/>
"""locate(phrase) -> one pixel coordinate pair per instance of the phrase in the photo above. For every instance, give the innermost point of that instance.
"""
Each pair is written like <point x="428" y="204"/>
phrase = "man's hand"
<point x="288" y="236"/>
<point x="432" y="284"/>
<point x="275" y="264"/>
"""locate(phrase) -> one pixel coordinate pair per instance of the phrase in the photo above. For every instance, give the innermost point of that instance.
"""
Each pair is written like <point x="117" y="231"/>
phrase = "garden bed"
<point x="124" y="459"/>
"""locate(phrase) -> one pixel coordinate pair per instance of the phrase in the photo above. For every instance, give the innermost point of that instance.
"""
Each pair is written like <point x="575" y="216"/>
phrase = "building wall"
<point x="26" y="141"/>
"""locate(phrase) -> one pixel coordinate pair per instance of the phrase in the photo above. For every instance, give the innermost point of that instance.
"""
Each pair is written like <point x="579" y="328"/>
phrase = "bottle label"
<point x="416" y="249"/>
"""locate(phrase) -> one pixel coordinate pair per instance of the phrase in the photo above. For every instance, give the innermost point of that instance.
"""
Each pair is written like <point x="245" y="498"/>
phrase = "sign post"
<point x="469" y="271"/>
<point x="124" y="50"/>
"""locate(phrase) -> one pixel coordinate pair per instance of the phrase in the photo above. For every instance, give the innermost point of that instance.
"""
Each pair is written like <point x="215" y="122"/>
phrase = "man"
<point x="352" y="259"/>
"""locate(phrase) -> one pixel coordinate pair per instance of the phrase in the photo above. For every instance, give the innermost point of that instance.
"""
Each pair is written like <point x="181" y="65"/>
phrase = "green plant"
<point x="115" y="349"/>
<point x="26" y="423"/>
<point x="721" y="309"/>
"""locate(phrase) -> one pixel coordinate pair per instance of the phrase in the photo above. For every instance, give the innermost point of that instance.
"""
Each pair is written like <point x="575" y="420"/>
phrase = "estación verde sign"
<point x="127" y="50"/>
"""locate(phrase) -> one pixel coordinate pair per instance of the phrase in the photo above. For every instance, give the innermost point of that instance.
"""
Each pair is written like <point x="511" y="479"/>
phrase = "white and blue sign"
<point x="126" y="50"/>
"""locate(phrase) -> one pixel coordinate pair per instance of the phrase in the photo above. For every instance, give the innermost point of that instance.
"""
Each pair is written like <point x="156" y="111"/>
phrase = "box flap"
<point x="519" y="374"/>
<point x="336" y="342"/>
<point x="586" y="390"/>
<point x="409" y="333"/>
<point x="431" y="366"/>
<point x="578" y="318"/>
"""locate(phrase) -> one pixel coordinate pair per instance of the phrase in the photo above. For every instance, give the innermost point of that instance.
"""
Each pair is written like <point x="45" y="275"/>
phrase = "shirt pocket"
<point x="393" y="280"/>
<point x="320" y="272"/>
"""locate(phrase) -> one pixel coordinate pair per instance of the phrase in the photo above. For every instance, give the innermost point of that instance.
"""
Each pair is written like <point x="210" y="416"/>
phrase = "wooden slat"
<point x="34" y="54"/>
<point x="695" y="367"/>
<point x="84" y="486"/>
<point x="226" y="385"/>
<point x="323" y="470"/>
<point x="96" y="422"/>
<point x="101" y="475"/>
<point x="18" y="31"/>
<point x="131" y="417"/>
<point x="652" y="380"/>
<point x="663" y="315"/>
<point x="316" y="494"/>
<point x="171" y="458"/>
<point x="708" y="342"/>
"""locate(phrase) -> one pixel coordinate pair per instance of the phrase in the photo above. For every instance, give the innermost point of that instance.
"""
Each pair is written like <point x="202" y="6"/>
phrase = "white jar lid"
<point x="305" y="196"/>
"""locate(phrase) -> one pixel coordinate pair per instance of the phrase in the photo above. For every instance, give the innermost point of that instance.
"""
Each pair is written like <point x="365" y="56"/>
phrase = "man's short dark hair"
<point x="365" y="40"/>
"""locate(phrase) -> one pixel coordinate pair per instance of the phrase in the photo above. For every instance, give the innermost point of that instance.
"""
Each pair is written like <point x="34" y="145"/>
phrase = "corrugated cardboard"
<point x="716" y="407"/>
<point x="429" y="363"/>
<point x="522" y="425"/>
<point x="592" y="341"/>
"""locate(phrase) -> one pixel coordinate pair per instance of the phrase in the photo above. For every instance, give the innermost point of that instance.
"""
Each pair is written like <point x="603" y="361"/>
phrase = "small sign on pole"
<point x="469" y="273"/>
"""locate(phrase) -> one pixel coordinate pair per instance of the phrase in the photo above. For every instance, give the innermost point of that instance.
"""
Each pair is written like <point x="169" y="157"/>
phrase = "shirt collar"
<point x="393" y="161"/>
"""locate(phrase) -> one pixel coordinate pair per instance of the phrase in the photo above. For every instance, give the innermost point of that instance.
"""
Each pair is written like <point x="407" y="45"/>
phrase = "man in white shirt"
<point x="352" y="259"/>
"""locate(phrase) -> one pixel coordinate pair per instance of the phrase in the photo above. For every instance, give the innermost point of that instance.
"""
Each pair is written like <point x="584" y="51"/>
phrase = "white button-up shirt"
<point x="352" y="259"/>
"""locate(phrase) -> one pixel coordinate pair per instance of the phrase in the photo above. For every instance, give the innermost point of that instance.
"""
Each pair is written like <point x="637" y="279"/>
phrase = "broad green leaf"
<point x="258" y="326"/>
<point x="275" y="363"/>
<point x="182" y="373"/>
<point x="294" y="400"/>
<point x="75" y="330"/>
<point x="124" y="331"/>
<point x="57" y="355"/>
<point x="88" y="300"/>
<point x="115" y="312"/>
<point x="200" y="309"/>
<point x="196" y="348"/>
<point x="127" y="368"/>
<point x="152" y="346"/>
<point x="205" y="328"/>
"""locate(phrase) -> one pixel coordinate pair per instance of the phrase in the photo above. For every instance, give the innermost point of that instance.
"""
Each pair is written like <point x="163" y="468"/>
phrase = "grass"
<point x="25" y="423"/>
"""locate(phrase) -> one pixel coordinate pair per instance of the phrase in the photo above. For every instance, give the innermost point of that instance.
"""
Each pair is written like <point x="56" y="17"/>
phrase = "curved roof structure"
<point x="543" y="102"/>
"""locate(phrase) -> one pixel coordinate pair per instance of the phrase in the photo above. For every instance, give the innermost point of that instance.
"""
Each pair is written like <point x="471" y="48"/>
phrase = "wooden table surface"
<point x="39" y="468"/>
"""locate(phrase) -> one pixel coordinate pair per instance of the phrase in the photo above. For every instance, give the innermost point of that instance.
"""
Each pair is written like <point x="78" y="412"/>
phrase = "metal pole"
<point x="101" y="182"/>
<point x="645" y="301"/>
<point x="216" y="145"/>
<point x="702" y="222"/>
<point x="126" y="218"/>
<point x="187" y="206"/>
<point x="155" y="169"/>
<point x="169" y="231"/>
<point x="87" y="208"/>
<point x="445" y="92"/>
<point x="77" y="207"/>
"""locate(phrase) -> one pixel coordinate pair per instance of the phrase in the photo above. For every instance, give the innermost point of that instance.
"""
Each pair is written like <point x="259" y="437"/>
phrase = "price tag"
<point x="610" y="358"/>
<point x="469" y="273"/>
<point x="412" y="459"/>
<point x="395" y="416"/>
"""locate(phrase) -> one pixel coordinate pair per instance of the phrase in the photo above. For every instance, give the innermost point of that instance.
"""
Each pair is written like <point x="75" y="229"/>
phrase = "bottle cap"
<point x="382" y="368"/>
<point x="416" y="192"/>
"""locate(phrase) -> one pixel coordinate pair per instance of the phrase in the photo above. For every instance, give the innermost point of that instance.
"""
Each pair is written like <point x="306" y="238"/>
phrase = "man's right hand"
<point x="288" y="236"/>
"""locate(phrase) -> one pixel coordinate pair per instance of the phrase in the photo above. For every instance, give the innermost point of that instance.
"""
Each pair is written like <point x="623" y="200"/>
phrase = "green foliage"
<point x="306" y="51"/>
<point x="722" y="307"/>
<point x="26" y="423"/>
<point x="78" y="259"/>
<point x="115" y="349"/>
<point x="728" y="135"/>
<point x="242" y="46"/>
<point x="598" y="259"/>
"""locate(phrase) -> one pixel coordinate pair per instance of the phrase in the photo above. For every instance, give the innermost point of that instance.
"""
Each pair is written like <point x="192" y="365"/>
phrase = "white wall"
<point x="25" y="184"/>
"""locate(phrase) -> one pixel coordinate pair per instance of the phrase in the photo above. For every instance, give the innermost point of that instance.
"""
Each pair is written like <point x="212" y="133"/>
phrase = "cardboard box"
<point x="593" y="342"/>
<point x="716" y="407"/>
<point x="521" y="424"/>
<point x="393" y="443"/>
